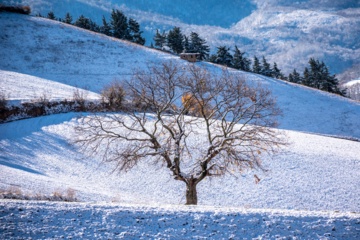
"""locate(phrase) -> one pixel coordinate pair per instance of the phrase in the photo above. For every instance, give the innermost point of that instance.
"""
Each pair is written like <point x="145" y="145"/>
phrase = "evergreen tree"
<point x="119" y="25"/>
<point x="135" y="33"/>
<point x="212" y="58"/>
<point x="223" y="56"/>
<point x="315" y="76"/>
<point x="276" y="72"/>
<point x="105" y="29"/>
<point x="175" y="40"/>
<point x="186" y="44"/>
<point x="315" y="73"/>
<point x="318" y="76"/>
<point x="306" y="78"/>
<point x="93" y="26"/>
<point x="295" y="77"/>
<point x="266" y="70"/>
<point x="329" y="83"/>
<point x="83" y="22"/>
<point x="160" y="39"/>
<point x="198" y="45"/>
<point x="86" y="23"/>
<point x="256" y="66"/>
<point x="239" y="61"/>
<point x="51" y="15"/>
<point x="332" y="85"/>
<point x="291" y="78"/>
<point x="68" y="18"/>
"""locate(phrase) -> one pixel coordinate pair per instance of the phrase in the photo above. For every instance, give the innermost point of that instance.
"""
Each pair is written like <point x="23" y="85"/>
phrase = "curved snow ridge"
<point x="18" y="86"/>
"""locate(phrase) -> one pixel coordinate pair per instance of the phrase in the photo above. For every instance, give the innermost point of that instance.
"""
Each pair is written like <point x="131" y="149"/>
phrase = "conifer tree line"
<point x="119" y="26"/>
<point x="178" y="43"/>
<point x="316" y="75"/>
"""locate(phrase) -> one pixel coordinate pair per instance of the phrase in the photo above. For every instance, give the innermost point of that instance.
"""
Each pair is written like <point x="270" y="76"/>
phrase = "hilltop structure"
<point x="191" y="57"/>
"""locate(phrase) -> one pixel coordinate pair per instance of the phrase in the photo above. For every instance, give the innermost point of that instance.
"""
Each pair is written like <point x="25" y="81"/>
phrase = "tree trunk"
<point x="191" y="193"/>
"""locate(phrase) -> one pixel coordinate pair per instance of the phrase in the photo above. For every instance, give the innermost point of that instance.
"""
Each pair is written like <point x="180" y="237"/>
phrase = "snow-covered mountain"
<point x="287" y="32"/>
<point x="309" y="191"/>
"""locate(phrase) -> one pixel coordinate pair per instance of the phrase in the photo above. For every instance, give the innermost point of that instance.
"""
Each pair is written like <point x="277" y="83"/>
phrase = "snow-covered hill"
<point x="27" y="88"/>
<point x="37" y="156"/>
<point x="314" y="172"/>
<point x="288" y="32"/>
<point x="79" y="58"/>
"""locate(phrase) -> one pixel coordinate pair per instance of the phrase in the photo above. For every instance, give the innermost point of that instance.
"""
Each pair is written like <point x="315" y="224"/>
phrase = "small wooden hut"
<point x="191" y="57"/>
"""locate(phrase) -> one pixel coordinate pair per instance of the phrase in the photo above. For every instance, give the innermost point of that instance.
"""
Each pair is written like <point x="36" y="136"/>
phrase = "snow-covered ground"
<point x="318" y="171"/>
<point x="314" y="172"/>
<point x="22" y="87"/>
<point x="39" y="220"/>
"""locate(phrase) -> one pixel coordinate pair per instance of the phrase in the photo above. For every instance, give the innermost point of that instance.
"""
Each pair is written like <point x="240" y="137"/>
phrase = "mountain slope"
<point x="79" y="58"/>
<point x="67" y="54"/>
<point x="285" y="31"/>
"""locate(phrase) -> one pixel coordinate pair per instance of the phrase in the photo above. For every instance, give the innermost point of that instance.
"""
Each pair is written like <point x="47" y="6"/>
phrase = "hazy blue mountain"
<point x="209" y="12"/>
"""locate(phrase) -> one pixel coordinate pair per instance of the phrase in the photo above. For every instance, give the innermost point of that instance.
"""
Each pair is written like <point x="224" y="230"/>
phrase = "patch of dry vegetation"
<point x="69" y="195"/>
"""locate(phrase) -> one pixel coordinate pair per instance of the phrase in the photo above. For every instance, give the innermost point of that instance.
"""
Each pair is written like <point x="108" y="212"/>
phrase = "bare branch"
<point x="231" y="126"/>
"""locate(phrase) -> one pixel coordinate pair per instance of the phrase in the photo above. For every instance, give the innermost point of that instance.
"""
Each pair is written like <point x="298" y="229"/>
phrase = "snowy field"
<point x="313" y="182"/>
<point x="307" y="194"/>
<point x="312" y="173"/>
<point x="42" y="220"/>
<point x="22" y="87"/>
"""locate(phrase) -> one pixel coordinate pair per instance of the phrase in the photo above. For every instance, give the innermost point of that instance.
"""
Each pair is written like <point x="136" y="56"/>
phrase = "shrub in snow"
<point x="68" y="196"/>
<point x="43" y="107"/>
<point x="113" y="96"/>
<point x="15" y="193"/>
<point x="79" y="98"/>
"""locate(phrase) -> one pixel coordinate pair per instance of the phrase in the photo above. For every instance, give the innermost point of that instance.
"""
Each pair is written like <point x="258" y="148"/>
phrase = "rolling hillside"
<point x="316" y="172"/>
<point x="285" y="31"/>
<point x="76" y="57"/>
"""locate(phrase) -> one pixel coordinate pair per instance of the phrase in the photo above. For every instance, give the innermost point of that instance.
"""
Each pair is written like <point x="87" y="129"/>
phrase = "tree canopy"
<point x="119" y="25"/>
<point x="240" y="61"/>
<point x="175" y="40"/>
<point x="318" y="76"/>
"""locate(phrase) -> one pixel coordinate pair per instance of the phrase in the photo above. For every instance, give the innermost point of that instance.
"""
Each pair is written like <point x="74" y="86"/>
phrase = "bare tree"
<point x="232" y="130"/>
<point x="113" y="95"/>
